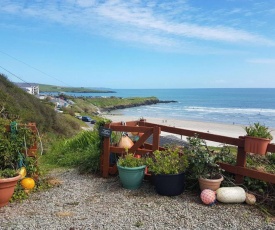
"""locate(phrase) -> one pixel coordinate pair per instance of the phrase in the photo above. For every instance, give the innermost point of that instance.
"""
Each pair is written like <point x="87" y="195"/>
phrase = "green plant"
<point x="6" y="173"/>
<point x="129" y="160"/>
<point x="203" y="161"/>
<point x="115" y="137"/>
<point x="12" y="143"/>
<point x="168" y="161"/>
<point x="258" y="130"/>
<point x="100" y="122"/>
<point x="81" y="151"/>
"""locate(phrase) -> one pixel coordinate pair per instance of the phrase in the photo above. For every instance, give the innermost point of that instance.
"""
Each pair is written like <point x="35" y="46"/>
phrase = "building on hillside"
<point x="30" y="88"/>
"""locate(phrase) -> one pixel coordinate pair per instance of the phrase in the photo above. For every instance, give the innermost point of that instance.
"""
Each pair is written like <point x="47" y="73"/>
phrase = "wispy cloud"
<point x="155" y="23"/>
<point x="262" y="61"/>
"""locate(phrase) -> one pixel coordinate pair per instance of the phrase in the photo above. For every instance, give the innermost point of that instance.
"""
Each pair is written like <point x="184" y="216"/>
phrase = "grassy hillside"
<point x="90" y="106"/>
<point x="19" y="105"/>
<point x="116" y="102"/>
<point x="52" y="88"/>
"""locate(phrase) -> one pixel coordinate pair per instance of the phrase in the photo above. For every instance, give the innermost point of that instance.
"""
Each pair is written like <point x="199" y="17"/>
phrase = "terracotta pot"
<point x="212" y="184"/>
<point x="7" y="187"/>
<point x="255" y="145"/>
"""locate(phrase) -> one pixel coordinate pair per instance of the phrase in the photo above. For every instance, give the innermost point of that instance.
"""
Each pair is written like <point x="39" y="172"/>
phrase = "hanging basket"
<point x="256" y="145"/>
<point x="125" y="142"/>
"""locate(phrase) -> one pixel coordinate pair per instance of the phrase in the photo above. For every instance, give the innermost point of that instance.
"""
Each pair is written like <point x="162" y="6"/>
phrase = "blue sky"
<point x="139" y="44"/>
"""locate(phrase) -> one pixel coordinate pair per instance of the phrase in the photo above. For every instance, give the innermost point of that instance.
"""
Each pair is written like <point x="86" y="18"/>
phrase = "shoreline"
<point x="229" y="130"/>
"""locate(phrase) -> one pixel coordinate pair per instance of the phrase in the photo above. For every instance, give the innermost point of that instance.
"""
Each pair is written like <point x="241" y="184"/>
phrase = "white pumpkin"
<point x="231" y="195"/>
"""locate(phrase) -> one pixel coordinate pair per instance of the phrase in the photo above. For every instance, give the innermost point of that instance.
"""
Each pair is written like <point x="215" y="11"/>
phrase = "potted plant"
<point x="168" y="170"/>
<point x="11" y="159"/>
<point x="204" y="163"/>
<point x="257" y="138"/>
<point x="131" y="170"/>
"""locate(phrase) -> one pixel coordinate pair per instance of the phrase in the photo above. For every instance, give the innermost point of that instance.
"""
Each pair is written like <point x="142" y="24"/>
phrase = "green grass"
<point x="90" y="106"/>
<point x="81" y="151"/>
<point x="23" y="107"/>
<point x="107" y="103"/>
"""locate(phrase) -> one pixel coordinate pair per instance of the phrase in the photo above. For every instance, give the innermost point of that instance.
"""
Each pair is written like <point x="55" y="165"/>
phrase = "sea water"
<point x="230" y="106"/>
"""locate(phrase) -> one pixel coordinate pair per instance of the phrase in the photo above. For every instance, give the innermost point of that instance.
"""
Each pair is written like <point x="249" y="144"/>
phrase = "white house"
<point x="31" y="88"/>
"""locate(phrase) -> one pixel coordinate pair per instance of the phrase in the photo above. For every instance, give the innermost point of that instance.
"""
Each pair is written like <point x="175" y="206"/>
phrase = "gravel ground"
<point x="90" y="202"/>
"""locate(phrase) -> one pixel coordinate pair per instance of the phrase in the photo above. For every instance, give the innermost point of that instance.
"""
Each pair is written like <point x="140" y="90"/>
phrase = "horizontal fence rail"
<point x="148" y="129"/>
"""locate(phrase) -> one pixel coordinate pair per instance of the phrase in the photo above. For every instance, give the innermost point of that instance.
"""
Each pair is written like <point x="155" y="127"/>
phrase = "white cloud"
<point x="160" y="23"/>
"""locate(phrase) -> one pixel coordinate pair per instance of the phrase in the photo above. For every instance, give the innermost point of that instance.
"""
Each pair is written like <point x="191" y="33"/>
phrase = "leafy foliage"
<point x="203" y="161"/>
<point x="258" y="130"/>
<point x="12" y="144"/>
<point x="129" y="160"/>
<point x="168" y="161"/>
<point x="6" y="173"/>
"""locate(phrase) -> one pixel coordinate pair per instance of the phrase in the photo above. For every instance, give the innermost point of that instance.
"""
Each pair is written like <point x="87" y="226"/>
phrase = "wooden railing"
<point x="141" y="147"/>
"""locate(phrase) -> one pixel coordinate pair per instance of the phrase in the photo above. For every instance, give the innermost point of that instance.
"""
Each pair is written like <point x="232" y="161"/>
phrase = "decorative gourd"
<point x="27" y="183"/>
<point x="250" y="199"/>
<point x="231" y="195"/>
<point x="125" y="142"/>
<point x="208" y="196"/>
<point x="22" y="172"/>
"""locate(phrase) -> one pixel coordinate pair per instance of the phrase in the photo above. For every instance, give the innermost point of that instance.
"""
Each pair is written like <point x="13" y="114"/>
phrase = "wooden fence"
<point x="148" y="129"/>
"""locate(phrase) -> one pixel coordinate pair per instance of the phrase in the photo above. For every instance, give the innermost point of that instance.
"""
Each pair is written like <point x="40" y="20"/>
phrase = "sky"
<point x="137" y="44"/>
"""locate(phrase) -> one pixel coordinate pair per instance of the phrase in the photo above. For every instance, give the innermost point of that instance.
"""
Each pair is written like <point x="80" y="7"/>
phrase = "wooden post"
<point x="106" y="155"/>
<point x="241" y="161"/>
<point x="142" y="122"/>
<point x="156" y="134"/>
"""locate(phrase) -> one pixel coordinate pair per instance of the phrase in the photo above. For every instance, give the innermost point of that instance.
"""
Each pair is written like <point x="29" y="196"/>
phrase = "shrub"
<point x="168" y="161"/>
<point x="129" y="160"/>
<point x="258" y="130"/>
<point x="203" y="161"/>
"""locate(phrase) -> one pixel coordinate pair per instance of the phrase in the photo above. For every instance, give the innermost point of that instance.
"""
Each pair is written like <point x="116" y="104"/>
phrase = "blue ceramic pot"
<point x="131" y="178"/>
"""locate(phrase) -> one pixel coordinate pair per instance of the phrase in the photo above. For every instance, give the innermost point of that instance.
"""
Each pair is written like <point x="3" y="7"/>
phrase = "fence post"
<point x="156" y="134"/>
<point x="106" y="155"/>
<point x="142" y="122"/>
<point x="241" y="161"/>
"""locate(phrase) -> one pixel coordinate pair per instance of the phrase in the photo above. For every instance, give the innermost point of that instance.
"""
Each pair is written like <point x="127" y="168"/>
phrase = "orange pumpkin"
<point x="27" y="183"/>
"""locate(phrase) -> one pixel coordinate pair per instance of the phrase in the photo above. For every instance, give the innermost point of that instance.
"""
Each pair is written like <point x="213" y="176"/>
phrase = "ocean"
<point x="230" y="106"/>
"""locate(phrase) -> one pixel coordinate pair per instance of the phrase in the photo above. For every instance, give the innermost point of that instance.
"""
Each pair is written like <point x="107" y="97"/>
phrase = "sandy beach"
<point x="229" y="130"/>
